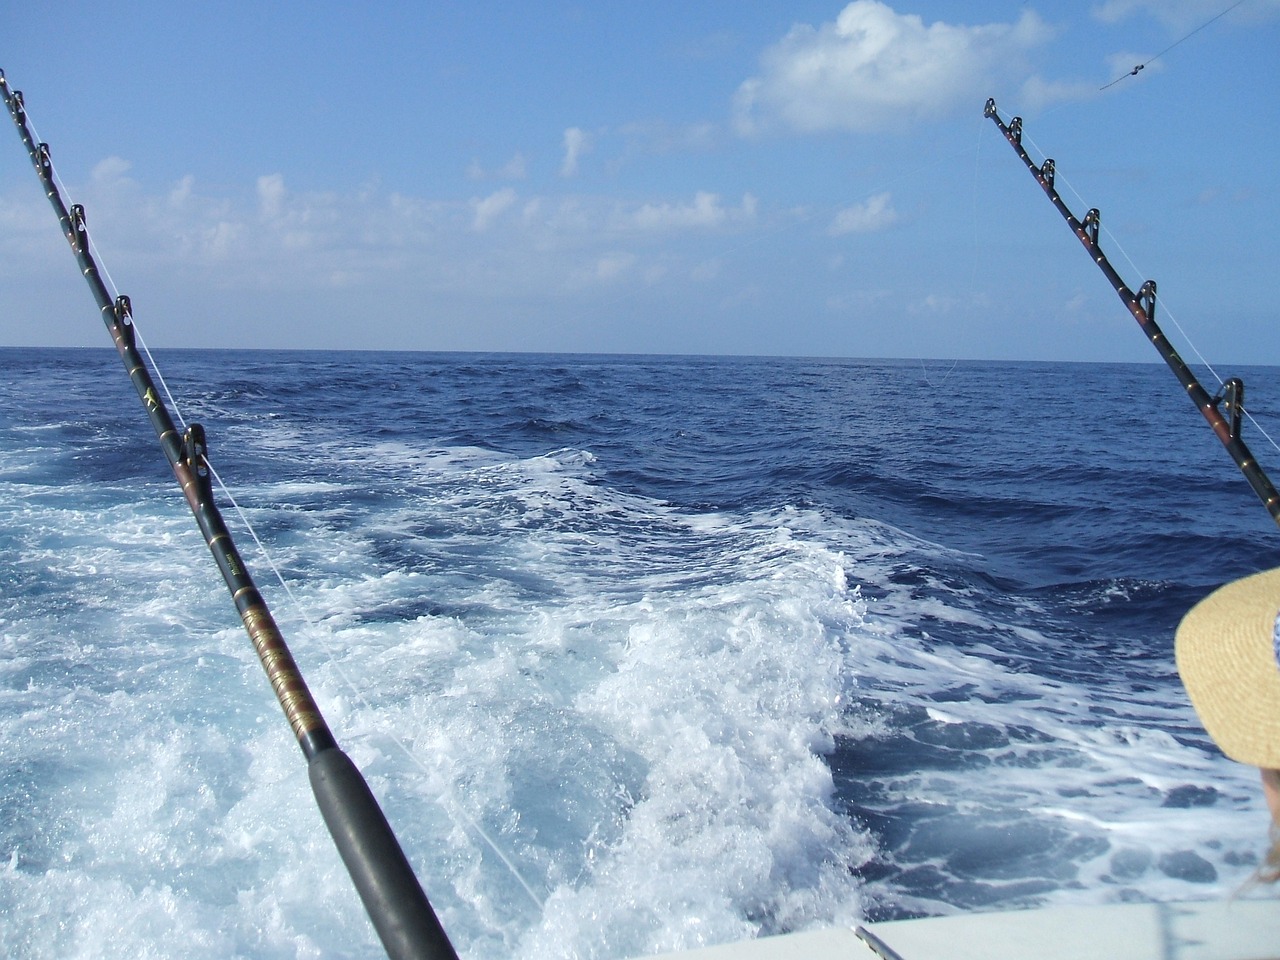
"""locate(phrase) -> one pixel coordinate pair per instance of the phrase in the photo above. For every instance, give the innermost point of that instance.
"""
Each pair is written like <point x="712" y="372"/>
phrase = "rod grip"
<point x="392" y="896"/>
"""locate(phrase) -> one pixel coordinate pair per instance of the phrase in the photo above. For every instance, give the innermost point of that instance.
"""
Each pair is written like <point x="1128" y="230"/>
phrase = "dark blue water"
<point x="638" y="652"/>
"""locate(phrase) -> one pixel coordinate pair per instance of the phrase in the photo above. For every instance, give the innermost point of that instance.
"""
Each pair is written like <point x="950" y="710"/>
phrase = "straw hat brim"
<point x="1225" y="651"/>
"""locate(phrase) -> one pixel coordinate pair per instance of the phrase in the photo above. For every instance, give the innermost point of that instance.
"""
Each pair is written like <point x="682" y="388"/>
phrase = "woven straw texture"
<point x="1226" y="655"/>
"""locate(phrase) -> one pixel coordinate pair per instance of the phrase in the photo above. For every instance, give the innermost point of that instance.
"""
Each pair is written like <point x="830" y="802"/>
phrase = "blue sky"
<point x="798" y="178"/>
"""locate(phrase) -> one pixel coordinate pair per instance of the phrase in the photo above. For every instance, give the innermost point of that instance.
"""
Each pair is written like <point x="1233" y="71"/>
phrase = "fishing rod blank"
<point x="1143" y="307"/>
<point x="392" y="896"/>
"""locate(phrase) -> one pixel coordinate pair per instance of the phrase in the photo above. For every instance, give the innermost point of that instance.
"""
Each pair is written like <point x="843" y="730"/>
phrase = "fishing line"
<point x="1164" y="303"/>
<point x="450" y="804"/>
<point x="447" y="801"/>
<point x="1140" y="67"/>
<point x="105" y="271"/>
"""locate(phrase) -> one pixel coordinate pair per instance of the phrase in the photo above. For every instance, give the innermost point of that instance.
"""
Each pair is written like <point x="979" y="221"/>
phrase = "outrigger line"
<point x="392" y="896"/>
<point x="1142" y="66"/>
<point x="1143" y="307"/>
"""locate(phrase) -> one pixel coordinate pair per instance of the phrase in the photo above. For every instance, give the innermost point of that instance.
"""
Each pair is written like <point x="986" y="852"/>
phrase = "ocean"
<point x="638" y="653"/>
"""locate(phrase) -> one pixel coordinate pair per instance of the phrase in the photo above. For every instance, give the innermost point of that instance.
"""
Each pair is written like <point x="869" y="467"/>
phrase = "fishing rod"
<point x="1143" y="307"/>
<point x="392" y="896"/>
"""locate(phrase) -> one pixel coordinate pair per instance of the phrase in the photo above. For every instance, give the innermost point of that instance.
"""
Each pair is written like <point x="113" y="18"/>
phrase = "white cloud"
<point x="491" y="207"/>
<point x="181" y="192"/>
<point x="576" y="143"/>
<point x="873" y="68"/>
<point x="220" y="239"/>
<point x="260" y="235"/>
<point x="111" y="168"/>
<point x="876" y="214"/>
<point x="271" y="195"/>
<point x="705" y="211"/>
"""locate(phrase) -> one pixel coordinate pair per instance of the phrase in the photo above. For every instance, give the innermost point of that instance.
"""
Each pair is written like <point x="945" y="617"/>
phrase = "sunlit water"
<point x="638" y="653"/>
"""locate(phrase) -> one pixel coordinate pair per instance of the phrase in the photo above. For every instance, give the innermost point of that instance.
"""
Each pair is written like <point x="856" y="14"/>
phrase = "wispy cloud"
<point x="109" y="169"/>
<point x="576" y="143"/>
<point x="876" y="214"/>
<point x="271" y="195"/>
<point x="488" y="209"/>
<point x="706" y="210"/>
<point x="268" y="238"/>
<point x="873" y="68"/>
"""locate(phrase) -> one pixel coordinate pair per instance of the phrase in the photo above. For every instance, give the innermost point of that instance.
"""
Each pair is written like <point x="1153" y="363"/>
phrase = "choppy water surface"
<point x="638" y="653"/>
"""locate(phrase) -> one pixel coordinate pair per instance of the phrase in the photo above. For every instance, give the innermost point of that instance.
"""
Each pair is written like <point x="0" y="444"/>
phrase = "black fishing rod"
<point x="392" y="896"/>
<point x="1143" y="307"/>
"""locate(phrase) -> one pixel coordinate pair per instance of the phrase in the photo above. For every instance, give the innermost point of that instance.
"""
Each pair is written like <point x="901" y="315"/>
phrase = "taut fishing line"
<point x="106" y="273"/>
<point x="315" y="632"/>
<point x="1142" y="306"/>
<point x="447" y="801"/>
<point x="1164" y="302"/>
<point x="390" y="891"/>
<point x="1142" y="66"/>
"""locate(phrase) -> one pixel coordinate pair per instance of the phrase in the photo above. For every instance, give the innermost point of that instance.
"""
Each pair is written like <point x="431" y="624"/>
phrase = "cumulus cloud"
<point x="873" y="68"/>
<point x="576" y="143"/>
<point x="271" y="194"/>
<point x="705" y="211"/>
<point x="489" y="208"/>
<point x="876" y="214"/>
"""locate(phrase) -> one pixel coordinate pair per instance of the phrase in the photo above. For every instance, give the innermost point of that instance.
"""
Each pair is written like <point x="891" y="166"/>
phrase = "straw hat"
<point x="1229" y="659"/>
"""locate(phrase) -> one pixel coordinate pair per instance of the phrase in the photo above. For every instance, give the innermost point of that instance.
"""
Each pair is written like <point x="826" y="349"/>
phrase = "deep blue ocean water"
<point x="637" y="652"/>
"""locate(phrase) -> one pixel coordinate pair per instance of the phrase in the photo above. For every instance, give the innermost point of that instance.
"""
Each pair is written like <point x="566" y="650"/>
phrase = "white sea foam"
<point x="630" y="704"/>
